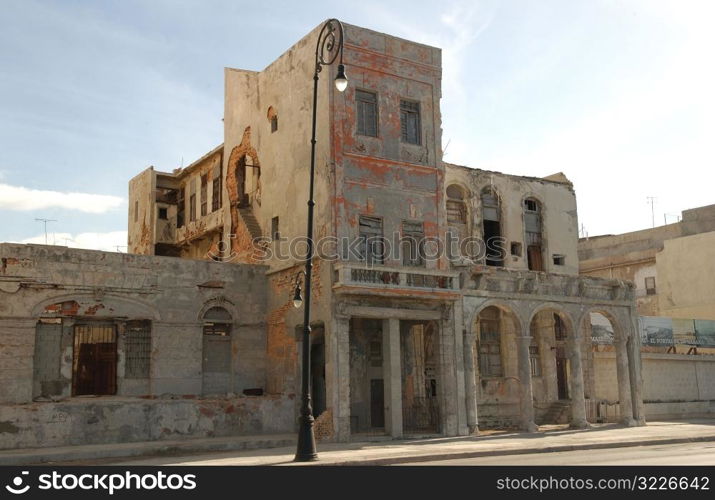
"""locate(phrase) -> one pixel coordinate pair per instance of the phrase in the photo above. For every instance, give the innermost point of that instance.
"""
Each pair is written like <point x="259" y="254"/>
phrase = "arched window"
<point x="491" y="215"/>
<point x="533" y="227"/>
<point x="490" y="364"/>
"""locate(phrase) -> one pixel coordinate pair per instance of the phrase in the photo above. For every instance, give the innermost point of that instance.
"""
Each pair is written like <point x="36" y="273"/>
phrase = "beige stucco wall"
<point x="686" y="277"/>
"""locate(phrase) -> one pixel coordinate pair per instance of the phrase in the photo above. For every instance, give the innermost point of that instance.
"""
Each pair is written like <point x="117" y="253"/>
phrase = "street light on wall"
<point x="327" y="50"/>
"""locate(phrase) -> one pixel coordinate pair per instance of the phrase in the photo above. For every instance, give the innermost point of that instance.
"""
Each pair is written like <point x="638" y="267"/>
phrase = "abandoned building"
<point x="445" y="298"/>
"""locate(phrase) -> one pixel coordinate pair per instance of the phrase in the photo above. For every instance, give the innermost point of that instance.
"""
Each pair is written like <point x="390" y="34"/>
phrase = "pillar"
<point x="576" y="383"/>
<point x="526" y="392"/>
<point x="624" y="382"/>
<point x="470" y="382"/>
<point x="392" y="376"/>
<point x="635" y="364"/>
<point x="340" y="352"/>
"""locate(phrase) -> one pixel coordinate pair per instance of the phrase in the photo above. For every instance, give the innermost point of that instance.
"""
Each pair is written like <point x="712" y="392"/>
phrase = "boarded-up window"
<point x="216" y="364"/>
<point x="204" y="194"/>
<point x="94" y="366"/>
<point x="216" y="188"/>
<point x="490" y="364"/>
<point x="366" y="103"/>
<point x="137" y="348"/>
<point x="413" y="236"/>
<point x="47" y="380"/>
<point x="410" y="122"/>
<point x="371" y="245"/>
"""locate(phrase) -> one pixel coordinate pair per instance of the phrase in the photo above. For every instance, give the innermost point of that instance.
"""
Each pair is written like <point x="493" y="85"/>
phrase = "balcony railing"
<point x="358" y="274"/>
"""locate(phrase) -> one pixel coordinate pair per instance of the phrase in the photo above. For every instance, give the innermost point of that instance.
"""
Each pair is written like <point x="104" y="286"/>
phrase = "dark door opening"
<point x="317" y="375"/>
<point x="535" y="261"/>
<point x="94" y="367"/>
<point x="377" y="403"/>
<point x="562" y="374"/>
<point x="492" y="239"/>
<point x="241" y="182"/>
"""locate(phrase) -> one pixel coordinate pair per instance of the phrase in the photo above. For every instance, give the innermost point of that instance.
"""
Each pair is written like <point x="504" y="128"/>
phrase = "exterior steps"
<point x="556" y="413"/>
<point x="251" y="223"/>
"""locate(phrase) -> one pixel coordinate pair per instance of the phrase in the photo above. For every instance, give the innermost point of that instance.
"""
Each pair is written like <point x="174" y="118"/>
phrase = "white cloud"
<point x="111" y="241"/>
<point x="21" y="198"/>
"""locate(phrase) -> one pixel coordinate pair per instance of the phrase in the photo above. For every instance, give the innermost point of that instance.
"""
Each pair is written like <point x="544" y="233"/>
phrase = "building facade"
<point x="397" y="347"/>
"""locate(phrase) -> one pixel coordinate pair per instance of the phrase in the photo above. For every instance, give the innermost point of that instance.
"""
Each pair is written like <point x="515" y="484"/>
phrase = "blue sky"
<point x="616" y="94"/>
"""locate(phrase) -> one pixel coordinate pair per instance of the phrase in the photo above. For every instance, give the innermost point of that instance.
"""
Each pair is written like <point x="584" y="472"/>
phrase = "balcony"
<point x="356" y="277"/>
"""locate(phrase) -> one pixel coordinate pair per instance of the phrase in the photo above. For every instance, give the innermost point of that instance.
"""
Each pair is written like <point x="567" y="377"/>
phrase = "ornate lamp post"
<point x="327" y="50"/>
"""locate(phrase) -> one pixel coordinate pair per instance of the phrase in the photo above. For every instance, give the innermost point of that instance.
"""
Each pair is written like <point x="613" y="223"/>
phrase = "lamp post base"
<point x="306" y="451"/>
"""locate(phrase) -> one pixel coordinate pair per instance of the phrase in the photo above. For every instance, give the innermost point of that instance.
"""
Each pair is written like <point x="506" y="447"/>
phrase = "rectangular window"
<point x="490" y="346"/>
<point x="366" y="103"/>
<point x="181" y="207"/>
<point x="535" y="361"/>
<point x="275" y="230"/>
<point x="410" y="122"/>
<point x="559" y="260"/>
<point x="371" y="243"/>
<point x="413" y="236"/>
<point x="204" y="194"/>
<point x="137" y="349"/>
<point x="192" y="207"/>
<point x="94" y="363"/>
<point x="650" y="285"/>
<point x="163" y="213"/>
<point x="216" y="189"/>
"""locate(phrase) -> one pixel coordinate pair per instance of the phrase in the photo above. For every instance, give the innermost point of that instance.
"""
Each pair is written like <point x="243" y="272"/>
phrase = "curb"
<point x="522" y="451"/>
<point x="156" y="448"/>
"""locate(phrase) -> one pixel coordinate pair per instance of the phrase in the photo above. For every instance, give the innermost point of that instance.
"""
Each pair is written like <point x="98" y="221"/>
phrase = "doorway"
<point x="94" y="366"/>
<point x="562" y="380"/>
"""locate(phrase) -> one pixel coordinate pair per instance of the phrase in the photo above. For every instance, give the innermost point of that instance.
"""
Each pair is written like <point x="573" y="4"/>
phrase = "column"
<point x="392" y="376"/>
<point x="624" y="382"/>
<point x="470" y="382"/>
<point x="634" y="363"/>
<point x="340" y="348"/>
<point x="526" y="394"/>
<point x="576" y="384"/>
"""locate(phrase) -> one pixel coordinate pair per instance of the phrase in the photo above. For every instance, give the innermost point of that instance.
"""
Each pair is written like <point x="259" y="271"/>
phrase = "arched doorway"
<point x="216" y="359"/>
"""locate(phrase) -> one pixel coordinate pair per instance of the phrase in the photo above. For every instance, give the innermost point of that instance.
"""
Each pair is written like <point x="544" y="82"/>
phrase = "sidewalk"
<point x="279" y="450"/>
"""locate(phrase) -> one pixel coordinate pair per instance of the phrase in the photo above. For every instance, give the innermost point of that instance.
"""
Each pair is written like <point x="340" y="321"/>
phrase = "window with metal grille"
<point x="413" y="237"/>
<point x="137" y="349"/>
<point x="216" y="189"/>
<point x="371" y="245"/>
<point x="180" y="207"/>
<point x="204" y="194"/>
<point x="410" y="122"/>
<point x="94" y="363"/>
<point x="366" y="103"/>
<point x="490" y="364"/>
<point x="535" y="360"/>
<point x="650" y="285"/>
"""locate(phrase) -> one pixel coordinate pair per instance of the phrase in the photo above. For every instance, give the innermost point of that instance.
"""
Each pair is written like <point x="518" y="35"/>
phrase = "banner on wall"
<point x="601" y="329"/>
<point x="704" y="332"/>
<point x="656" y="331"/>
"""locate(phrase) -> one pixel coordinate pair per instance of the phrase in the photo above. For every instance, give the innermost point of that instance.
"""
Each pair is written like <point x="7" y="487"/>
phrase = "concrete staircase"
<point x="251" y="223"/>
<point x="556" y="413"/>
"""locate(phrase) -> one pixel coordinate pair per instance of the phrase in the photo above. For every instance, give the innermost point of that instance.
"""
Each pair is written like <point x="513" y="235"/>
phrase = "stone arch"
<point x="565" y="315"/>
<point x="239" y="154"/>
<point x="611" y="316"/>
<point x="504" y="306"/>
<point x="100" y="306"/>
<point x="218" y="301"/>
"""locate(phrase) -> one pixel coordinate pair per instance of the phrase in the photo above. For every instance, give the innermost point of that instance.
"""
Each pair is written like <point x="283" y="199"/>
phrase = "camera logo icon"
<point x="16" y="487"/>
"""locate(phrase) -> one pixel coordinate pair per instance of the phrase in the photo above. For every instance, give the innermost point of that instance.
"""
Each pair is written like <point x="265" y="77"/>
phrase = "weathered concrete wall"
<point x="558" y="209"/>
<point x="121" y="420"/>
<point x="674" y="385"/>
<point x="141" y="213"/>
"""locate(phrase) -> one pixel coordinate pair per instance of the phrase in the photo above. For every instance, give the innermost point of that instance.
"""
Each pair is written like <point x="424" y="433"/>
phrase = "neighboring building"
<point x="666" y="263"/>
<point x="102" y="347"/>
<point x="392" y="328"/>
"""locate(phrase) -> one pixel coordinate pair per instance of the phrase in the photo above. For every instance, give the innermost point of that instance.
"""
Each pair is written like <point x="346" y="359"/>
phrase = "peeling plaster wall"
<point x="142" y="213"/>
<point x="558" y="208"/>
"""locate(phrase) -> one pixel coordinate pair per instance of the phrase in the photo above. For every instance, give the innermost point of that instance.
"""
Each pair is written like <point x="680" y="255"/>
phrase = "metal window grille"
<point x="137" y="348"/>
<point x="94" y="364"/>
<point x="535" y="361"/>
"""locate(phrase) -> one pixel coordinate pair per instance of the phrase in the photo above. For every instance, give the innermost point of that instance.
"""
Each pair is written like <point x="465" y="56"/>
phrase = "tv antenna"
<point x="651" y="200"/>
<point x="45" y="221"/>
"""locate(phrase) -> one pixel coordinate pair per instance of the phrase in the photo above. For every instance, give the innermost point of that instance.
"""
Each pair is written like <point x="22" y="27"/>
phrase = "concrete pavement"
<point x="244" y="450"/>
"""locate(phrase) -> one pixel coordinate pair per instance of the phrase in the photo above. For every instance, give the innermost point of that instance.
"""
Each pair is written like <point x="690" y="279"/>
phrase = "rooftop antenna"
<point x="584" y="233"/>
<point x="45" y="221"/>
<point x="444" y="152"/>
<point x="118" y="248"/>
<point x="651" y="200"/>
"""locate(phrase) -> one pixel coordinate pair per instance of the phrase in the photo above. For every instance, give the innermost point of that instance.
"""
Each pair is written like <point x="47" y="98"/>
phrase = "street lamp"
<point x="327" y="50"/>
